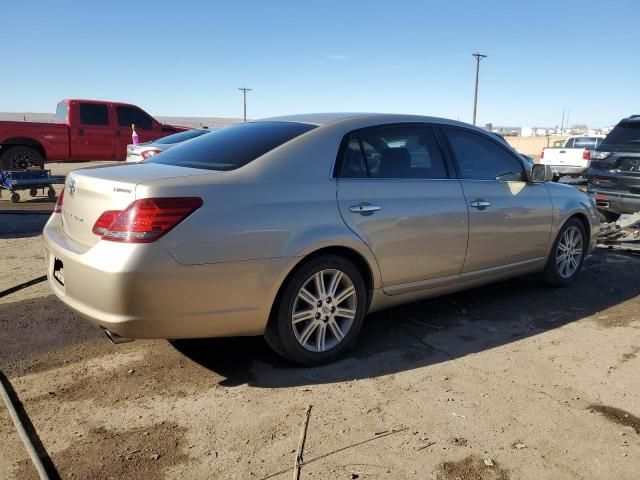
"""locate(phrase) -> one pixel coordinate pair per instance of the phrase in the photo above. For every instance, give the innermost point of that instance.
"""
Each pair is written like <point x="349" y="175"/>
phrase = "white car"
<point x="573" y="158"/>
<point x="142" y="151"/>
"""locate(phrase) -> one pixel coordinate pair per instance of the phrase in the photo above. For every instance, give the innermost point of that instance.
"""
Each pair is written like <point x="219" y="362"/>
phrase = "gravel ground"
<point x="508" y="381"/>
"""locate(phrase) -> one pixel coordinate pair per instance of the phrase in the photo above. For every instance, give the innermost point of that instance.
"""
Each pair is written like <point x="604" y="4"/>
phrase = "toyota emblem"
<point x="72" y="187"/>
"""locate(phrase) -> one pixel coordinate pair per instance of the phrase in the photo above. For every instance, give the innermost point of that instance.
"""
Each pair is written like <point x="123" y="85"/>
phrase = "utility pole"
<point x="479" y="57"/>
<point x="244" y="94"/>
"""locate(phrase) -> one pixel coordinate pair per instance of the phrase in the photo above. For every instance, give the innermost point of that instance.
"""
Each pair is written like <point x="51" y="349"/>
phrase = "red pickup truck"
<point x="83" y="130"/>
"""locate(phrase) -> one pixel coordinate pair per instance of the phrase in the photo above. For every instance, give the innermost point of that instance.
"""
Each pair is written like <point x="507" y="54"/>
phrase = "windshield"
<point x="232" y="147"/>
<point x="625" y="134"/>
<point x="180" y="137"/>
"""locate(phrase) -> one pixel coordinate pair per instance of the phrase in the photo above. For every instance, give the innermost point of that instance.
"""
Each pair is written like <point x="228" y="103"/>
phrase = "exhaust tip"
<point x="115" y="338"/>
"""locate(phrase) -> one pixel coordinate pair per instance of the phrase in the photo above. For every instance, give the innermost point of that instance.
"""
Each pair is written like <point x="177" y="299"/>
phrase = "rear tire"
<point x="567" y="254"/>
<point x="15" y="197"/>
<point x="312" y="324"/>
<point x="21" y="157"/>
<point x="608" y="217"/>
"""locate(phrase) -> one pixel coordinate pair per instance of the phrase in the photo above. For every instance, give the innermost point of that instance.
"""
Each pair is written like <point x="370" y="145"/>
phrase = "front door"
<point x="396" y="193"/>
<point x="509" y="218"/>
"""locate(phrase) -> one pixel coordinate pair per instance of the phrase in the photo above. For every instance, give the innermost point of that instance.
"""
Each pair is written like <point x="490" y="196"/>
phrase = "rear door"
<point x="91" y="134"/>
<point x="396" y="193"/>
<point x="509" y="218"/>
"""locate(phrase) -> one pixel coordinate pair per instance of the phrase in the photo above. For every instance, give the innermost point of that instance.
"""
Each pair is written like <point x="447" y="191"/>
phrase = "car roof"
<point x="331" y="117"/>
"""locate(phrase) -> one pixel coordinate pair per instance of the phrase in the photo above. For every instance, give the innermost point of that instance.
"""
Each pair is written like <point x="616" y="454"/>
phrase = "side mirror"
<point x="541" y="173"/>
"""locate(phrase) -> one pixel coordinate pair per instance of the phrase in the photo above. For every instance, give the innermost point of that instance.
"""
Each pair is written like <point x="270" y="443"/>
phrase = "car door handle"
<point x="480" y="204"/>
<point x="364" y="209"/>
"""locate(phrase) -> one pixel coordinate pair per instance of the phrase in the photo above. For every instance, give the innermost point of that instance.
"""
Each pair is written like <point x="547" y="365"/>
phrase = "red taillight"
<point x="586" y="154"/>
<point x="58" y="207"/>
<point x="104" y="222"/>
<point x="149" y="153"/>
<point x="145" y="220"/>
<point x="542" y="154"/>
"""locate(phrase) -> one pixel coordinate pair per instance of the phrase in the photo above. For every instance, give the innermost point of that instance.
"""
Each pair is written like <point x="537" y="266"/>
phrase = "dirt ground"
<point x="508" y="381"/>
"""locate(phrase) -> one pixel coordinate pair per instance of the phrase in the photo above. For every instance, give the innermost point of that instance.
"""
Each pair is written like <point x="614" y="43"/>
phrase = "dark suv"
<point x="614" y="175"/>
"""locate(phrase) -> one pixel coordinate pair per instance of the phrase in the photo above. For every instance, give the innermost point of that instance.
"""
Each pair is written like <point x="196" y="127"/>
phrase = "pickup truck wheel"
<point x="21" y="157"/>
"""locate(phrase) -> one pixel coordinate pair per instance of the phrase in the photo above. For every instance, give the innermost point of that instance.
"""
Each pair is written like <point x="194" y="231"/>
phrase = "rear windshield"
<point x="231" y="147"/>
<point x="587" y="142"/>
<point x="180" y="137"/>
<point x="61" y="113"/>
<point x="625" y="134"/>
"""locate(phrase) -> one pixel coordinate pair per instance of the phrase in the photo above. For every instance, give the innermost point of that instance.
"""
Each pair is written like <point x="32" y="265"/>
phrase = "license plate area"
<point x="58" y="271"/>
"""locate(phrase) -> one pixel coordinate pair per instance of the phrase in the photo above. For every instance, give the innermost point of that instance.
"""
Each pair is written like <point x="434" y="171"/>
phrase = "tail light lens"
<point x="586" y="154"/>
<point x="145" y="220"/>
<point x="58" y="207"/>
<point x="149" y="153"/>
<point x="104" y="222"/>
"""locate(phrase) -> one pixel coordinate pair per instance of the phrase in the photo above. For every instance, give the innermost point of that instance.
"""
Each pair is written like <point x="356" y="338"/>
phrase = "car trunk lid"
<point x="91" y="192"/>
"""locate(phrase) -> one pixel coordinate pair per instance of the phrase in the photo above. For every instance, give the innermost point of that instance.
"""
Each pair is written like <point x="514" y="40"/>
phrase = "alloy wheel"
<point x="324" y="310"/>
<point x="21" y="161"/>
<point x="569" y="252"/>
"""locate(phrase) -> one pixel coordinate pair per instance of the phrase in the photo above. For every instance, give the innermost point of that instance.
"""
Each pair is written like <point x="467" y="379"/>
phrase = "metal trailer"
<point x="32" y="180"/>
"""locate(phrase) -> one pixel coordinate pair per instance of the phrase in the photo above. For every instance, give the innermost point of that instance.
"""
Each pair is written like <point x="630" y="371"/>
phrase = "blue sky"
<point x="188" y="58"/>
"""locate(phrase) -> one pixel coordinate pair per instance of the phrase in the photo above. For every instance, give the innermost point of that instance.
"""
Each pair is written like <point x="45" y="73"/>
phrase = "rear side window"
<point x="132" y="115"/>
<point x="93" y="114"/>
<point x="480" y="158"/>
<point x="61" y="113"/>
<point x="398" y="151"/>
<point x="180" y="137"/>
<point x="232" y="147"/>
<point x="624" y="134"/>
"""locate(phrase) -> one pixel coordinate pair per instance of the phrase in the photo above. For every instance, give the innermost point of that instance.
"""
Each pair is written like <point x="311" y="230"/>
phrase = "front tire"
<point x="567" y="255"/>
<point x="319" y="311"/>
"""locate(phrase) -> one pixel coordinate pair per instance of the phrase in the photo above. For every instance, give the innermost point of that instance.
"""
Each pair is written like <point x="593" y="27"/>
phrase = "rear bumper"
<point x="615" y="201"/>
<point x="568" y="170"/>
<point x="141" y="291"/>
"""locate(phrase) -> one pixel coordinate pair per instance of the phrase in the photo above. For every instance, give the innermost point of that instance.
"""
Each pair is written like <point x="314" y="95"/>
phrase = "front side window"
<point x="398" y="151"/>
<point x="231" y="147"/>
<point x="93" y="114"/>
<point x="480" y="158"/>
<point x="132" y="115"/>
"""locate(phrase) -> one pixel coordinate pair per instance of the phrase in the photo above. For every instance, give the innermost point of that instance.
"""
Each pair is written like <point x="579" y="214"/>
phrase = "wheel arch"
<point x="368" y="272"/>
<point x="582" y="218"/>
<point x="24" y="141"/>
